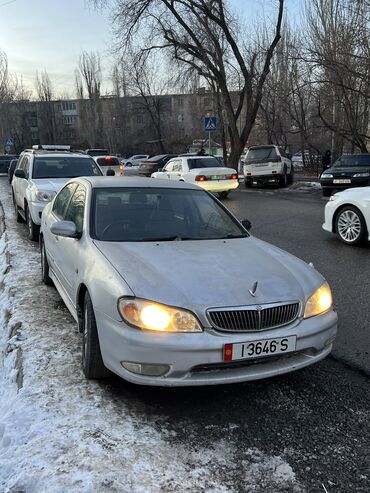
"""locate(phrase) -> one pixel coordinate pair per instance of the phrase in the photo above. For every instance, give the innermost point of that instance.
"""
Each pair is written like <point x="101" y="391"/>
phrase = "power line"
<point x="7" y="3"/>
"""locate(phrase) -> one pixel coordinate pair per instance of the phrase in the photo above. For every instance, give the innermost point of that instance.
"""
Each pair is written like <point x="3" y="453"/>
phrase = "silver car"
<point x="151" y="272"/>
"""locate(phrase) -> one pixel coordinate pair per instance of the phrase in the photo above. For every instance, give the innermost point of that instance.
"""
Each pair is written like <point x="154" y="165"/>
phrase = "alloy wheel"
<point x="349" y="226"/>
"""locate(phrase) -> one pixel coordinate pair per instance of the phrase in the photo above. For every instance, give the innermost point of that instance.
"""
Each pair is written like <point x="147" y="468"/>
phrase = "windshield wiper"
<point x="169" y="238"/>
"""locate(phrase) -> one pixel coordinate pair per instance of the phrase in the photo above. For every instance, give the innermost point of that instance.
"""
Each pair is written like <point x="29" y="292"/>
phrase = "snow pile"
<point x="60" y="433"/>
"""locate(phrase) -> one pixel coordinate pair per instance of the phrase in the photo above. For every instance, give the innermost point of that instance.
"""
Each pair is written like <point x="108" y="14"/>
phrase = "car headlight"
<point x="149" y="315"/>
<point x="44" y="196"/>
<point x="333" y="197"/>
<point x="319" y="302"/>
<point x="361" y="175"/>
<point x="327" y="175"/>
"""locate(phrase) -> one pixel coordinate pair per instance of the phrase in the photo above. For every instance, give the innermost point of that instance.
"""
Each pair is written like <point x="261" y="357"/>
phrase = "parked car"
<point x="97" y="152"/>
<point x="347" y="214"/>
<point x="12" y="166"/>
<point x="267" y="164"/>
<point x="108" y="163"/>
<point x="153" y="164"/>
<point x="151" y="272"/>
<point x="39" y="175"/>
<point x="134" y="160"/>
<point x="350" y="170"/>
<point x="204" y="171"/>
<point x="5" y="161"/>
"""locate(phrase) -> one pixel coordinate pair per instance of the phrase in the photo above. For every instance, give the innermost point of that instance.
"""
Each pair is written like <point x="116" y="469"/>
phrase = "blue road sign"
<point x="9" y="142"/>
<point x="210" y="123"/>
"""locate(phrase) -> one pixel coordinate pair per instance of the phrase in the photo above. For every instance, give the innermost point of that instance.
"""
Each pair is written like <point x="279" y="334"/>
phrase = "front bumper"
<point x="35" y="209"/>
<point x="197" y="359"/>
<point x="355" y="182"/>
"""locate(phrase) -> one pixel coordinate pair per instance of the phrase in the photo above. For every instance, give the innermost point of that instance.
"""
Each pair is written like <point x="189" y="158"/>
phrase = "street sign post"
<point x="9" y="143"/>
<point x="209" y="125"/>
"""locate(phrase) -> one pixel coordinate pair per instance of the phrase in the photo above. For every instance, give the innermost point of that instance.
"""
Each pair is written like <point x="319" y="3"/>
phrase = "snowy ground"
<point x="61" y="433"/>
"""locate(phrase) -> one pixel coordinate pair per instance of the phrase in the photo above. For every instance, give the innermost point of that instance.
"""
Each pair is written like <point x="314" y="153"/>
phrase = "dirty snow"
<point x="61" y="433"/>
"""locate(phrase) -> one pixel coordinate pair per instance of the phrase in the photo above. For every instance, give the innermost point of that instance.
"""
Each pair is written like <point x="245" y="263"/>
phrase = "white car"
<point x="267" y="164"/>
<point x="347" y="214"/>
<point x="39" y="175"/>
<point x="107" y="162"/>
<point x="134" y="160"/>
<point x="204" y="171"/>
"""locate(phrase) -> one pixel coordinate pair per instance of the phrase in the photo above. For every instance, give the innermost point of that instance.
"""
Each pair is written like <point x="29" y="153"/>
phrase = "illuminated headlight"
<point x="327" y="175"/>
<point x="44" y="196"/>
<point x="361" y="175"/>
<point x="319" y="302"/>
<point x="154" y="316"/>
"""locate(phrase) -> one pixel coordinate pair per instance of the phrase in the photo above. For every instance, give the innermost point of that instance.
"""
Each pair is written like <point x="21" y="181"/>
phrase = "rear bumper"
<point x="218" y="185"/>
<point x="263" y="179"/>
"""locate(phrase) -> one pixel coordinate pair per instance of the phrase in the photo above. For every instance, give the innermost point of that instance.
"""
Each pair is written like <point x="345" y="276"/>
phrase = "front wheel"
<point x="33" y="229"/>
<point x="350" y="225"/>
<point x="223" y="195"/>
<point x="92" y="361"/>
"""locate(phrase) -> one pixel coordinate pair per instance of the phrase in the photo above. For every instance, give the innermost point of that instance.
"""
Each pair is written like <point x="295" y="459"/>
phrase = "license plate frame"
<point x="342" y="181"/>
<point x="259" y="348"/>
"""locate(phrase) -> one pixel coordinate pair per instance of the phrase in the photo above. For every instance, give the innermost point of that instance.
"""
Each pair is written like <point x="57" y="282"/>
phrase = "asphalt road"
<point x="316" y="419"/>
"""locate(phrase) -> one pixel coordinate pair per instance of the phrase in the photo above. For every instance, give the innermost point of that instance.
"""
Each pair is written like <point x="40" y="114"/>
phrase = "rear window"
<point x="261" y="154"/>
<point x="64" y="167"/>
<point x="207" y="162"/>
<point x="356" y="160"/>
<point x="108" y="161"/>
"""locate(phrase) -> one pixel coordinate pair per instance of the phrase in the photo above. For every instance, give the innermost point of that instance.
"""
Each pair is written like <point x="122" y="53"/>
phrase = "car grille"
<point x="254" y="318"/>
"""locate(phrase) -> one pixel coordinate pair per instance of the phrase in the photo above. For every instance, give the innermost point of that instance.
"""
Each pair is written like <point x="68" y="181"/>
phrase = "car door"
<point x="167" y="170"/>
<point x="22" y="183"/>
<point x="16" y="180"/>
<point x="176" y="172"/>
<point x="69" y="252"/>
<point x="52" y="242"/>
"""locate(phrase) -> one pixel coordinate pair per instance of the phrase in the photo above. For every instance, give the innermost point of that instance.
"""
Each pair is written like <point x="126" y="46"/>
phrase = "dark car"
<point x="5" y="161"/>
<point x="350" y="170"/>
<point x="153" y="164"/>
<point x="12" y="166"/>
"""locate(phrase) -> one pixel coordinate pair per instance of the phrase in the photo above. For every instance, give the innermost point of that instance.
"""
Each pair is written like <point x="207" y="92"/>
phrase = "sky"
<point x="49" y="35"/>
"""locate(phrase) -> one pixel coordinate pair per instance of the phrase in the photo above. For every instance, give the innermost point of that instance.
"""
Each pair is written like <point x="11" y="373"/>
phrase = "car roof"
<point x="133" y="182"/>
<point x="56" y="153"/>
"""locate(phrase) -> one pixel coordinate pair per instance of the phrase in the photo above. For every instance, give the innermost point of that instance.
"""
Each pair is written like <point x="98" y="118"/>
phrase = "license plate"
<point x="341" y="181"/>
<point x="216" y="177"/>
<point x="259" y="348"/>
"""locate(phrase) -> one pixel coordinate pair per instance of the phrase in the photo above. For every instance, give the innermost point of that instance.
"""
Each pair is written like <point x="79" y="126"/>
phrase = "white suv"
<point x="39" y="175"/>
<point x="267" y="164"/>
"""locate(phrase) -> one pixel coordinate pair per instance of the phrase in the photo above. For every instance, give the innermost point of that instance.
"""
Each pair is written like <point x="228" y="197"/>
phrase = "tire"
<point x="223" y="195"/>
<point x="18" y="217"/>
<point x="326" y="192"/>
<point x="291" y="177"/>
<point x="283" y="180"/>
<point x="247" y="182"/>
<point x="33" y="229"/>
<point x="350" y="225"/>
<point x="92" y="361"/>
<point x="46" y="279"/>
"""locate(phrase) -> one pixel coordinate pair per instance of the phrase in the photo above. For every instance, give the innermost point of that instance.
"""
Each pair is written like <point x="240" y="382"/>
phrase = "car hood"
<point x="212" y="273"/>
<point x="348" y="170"/>
<point x="50" y="184"/>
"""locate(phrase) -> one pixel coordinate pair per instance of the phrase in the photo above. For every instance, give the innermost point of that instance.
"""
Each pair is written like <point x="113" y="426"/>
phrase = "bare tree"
<point x="204" y="35"/>
<point x="45" y="97"/>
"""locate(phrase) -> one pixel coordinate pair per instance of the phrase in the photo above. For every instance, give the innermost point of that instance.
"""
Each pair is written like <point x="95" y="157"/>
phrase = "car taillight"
<point x="200" y="178"/>
<point x="233" y="177"/>
<point x="107" y="159"/>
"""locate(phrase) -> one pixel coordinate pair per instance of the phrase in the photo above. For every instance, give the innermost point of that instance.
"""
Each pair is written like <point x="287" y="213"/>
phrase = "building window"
<point x="181" y="132"/>
<point x="139" y="119"/>
<point x="69" y="120"/>
<point x="180" y="102"/>
<point x="180" y="117"/>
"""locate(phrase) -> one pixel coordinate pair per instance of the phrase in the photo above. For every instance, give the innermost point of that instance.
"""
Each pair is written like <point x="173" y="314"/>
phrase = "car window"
<point x="353" y="160"/>
<point x="160" y="214"/>
<point x="62" y="200"/>
<point x="20" y="163"/>
<point x="76" y="208"/>
<point x="177" y="165"/>
<point x="206" y="162"/>
<point x="26" y="166"/>
<point x="260" y="154"/>
<point x="169" y="166"/>
<point x="282" y="152"/>
<point x="64" y="167"/>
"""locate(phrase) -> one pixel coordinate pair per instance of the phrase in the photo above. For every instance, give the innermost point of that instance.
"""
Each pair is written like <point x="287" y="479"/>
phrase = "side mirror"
<point x="19" y="173"/>
<point x="161" y="170"/>
<point x="67" y="229"/>
<point x="111" y="172"/>
<point x="247" y="224"/>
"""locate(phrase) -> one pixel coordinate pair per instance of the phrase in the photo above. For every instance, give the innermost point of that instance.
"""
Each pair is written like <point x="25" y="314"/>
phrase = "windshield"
<point x="160" y="214"/>
<point x="354" y="160"/>
<point x="64" y="167"/>
<point x="206" y="162"/>
<point x="157" y="158"/>
<point x="261" y="153"/>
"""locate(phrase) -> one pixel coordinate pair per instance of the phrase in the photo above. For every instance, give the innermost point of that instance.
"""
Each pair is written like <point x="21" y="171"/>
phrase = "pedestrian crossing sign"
<point x="210" y="124"/>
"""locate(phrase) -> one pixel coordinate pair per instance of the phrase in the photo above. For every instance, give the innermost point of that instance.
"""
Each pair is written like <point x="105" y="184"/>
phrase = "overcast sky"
<point x="50" y="34"/>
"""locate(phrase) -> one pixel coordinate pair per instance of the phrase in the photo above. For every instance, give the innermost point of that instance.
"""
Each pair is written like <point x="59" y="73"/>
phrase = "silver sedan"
<point x="152" y="273"/>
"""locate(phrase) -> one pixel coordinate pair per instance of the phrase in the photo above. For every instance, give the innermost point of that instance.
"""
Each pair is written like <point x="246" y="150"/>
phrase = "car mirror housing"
<point x="111" y="172"/>
<point x="247" y="224"/>
<point x="19" y="173"/>
<point x="67" y="229"/>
